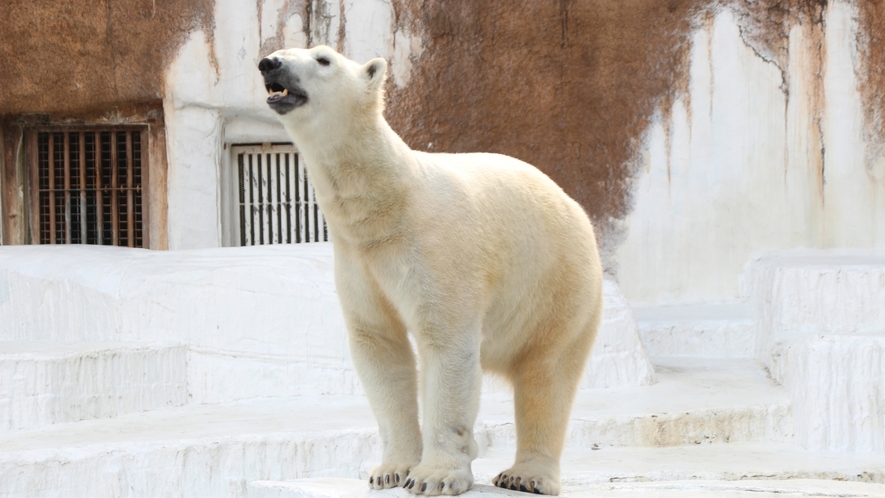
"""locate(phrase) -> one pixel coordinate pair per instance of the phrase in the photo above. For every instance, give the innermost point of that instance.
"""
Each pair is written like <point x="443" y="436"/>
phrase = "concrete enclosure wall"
<point x="694" y="132"/>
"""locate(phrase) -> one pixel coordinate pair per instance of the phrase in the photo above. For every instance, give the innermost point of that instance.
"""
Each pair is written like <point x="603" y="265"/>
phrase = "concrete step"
<point x="218" y="449"/>
<point x="42" y="384"/>
<point x="821" y="333"/>
<point x="352" y="488"/>
<point x="270" y="313"/>
<point x="712" y="331"/>
<point x="695" y="401"/>
<point x="802" y="292"/>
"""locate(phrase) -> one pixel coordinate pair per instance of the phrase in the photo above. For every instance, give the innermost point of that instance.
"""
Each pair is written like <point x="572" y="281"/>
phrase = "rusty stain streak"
<point x="871" y="48"/>
<point x="342" y="23"/>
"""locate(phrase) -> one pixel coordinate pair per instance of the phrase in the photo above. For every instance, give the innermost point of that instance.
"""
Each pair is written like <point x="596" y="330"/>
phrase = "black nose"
<point x="268" y="64"/>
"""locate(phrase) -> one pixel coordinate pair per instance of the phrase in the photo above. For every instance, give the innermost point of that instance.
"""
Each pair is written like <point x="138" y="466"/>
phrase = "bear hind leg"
<point x="544" y="388"/>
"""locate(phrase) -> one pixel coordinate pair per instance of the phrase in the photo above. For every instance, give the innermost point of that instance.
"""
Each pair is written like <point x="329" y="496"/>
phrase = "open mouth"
<point x="283" y="100"/>
<point x="276" y="92"/>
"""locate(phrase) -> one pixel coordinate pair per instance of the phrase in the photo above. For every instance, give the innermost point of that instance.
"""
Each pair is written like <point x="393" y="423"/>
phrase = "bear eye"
<point x="323" y="61"/>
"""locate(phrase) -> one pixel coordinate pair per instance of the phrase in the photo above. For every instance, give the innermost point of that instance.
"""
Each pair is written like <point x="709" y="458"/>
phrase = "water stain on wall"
<point x="567" y="86"/>
<point x="79" y="57"/>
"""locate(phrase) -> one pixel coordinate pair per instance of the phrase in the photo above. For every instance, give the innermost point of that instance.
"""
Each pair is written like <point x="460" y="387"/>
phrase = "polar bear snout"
<point x="284" y="91"/>
<point x="269" y="64"/>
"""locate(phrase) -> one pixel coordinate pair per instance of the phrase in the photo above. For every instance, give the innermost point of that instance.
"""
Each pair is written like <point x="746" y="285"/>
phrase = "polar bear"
<point x="482" y="258"/>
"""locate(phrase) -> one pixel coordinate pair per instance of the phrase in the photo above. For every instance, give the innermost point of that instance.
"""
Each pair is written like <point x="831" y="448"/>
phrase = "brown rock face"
<point x="65" y="57"/>
<point x="568" y="86"/>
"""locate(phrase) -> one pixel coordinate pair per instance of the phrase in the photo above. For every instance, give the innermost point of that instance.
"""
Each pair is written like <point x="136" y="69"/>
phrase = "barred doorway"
<point x="86" y="185"/>
<point x="271" y="198"/>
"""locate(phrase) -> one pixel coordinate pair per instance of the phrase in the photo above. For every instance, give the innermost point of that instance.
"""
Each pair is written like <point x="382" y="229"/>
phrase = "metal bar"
<point x="130" y="211"/>
<point x="293" y="194"/>
<point x="286" y="196"/>
<point x="99" y="195"/>
<point x="241" y="187"/>
<point x="299" y="196"/>
<point x="66" y="150"/>
<point x="308" y="207"/>
<point x="84" y="233"/>
<point x="253" y="186"/>
<point x="51" y="168"/>
<point x="144" y="189"/>
<point x="115" y="199"/>
<point x="272" y="179"/>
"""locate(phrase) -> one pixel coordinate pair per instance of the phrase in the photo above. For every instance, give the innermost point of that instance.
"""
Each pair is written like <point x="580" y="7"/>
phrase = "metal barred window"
<point x="89" y="185"/>
<point x="275" y="200"/>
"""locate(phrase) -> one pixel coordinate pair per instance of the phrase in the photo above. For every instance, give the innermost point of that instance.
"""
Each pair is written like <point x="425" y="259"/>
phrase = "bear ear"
<point x="375" y="72"/>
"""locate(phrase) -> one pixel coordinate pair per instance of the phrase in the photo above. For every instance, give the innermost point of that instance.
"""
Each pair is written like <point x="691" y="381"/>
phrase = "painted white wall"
<point x="736" y="166"/>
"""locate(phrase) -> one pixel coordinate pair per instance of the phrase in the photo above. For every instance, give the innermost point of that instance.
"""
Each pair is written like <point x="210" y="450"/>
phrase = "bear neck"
<point x="360" y="171"/>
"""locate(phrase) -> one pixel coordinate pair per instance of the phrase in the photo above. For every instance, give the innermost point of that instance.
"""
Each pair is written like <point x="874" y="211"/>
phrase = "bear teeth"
<point x="281" y="94"/>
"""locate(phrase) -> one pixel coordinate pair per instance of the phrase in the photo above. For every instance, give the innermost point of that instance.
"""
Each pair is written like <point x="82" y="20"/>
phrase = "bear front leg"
<point x="451" y="377"/>
<point x="385" y="363"/>
<point x="386" y="367"/>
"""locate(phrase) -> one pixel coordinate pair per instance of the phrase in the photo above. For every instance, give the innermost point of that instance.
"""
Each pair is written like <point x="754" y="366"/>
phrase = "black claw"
<point x="538" y="492"/>
<point x="411" y="484"/>
<point x="442" y="485"/>
<point x="387" y="478"/>
<point x="371" y="480"/>
<point x="523" y="488"/>
<point x="424" y="487"/>
<point x="396" y="478"/>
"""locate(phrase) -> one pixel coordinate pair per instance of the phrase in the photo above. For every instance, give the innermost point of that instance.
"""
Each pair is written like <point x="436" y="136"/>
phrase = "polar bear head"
<point x="318" y="86"/>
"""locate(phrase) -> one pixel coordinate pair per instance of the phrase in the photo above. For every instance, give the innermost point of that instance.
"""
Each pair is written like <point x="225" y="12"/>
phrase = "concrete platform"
<point x="216" y="448"/>
<point x="349" y="488"/>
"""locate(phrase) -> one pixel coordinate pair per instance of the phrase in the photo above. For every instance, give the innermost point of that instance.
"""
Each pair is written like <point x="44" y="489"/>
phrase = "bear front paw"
<point x="389" y="476"/>
<point x="430" y="481"/>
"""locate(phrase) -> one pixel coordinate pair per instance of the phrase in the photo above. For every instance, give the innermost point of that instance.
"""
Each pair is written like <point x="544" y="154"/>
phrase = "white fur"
<point x="481" y="257"/>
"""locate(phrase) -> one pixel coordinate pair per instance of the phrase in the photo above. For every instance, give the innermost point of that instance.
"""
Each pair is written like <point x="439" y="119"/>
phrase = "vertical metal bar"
<point x="144" y="189"/>
<point x="130" y="211"/>
<point x="51" y="191"/>
<point x="308" y="207"/>
<point x="299" y="193"/>
<point x="286" y="196"/>
<point x="99" y="186"/>
<point x="260" y="191"/>
<point x="293" y="190"/>
<point x="271" y="199"/>
<point x="66" y="161"/>
<point x="115" y="197"/>
<point x="278" y="201"/>
<point x="241" y="195"/>
<point x="253" y="197"/>
<point x="84" y="233"/>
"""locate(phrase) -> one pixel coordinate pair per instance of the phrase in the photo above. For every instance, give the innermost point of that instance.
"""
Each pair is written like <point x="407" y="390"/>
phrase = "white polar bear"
<point x="481" y="257"/>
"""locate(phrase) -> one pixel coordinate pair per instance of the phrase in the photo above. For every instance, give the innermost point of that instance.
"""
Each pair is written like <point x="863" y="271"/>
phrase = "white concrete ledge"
<point x="711" y="331"/>
<point x="837" y="384"/>
<point x="821" y="331"/>
<point x="43" y="383"/>
<point x="800" y="293"/>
